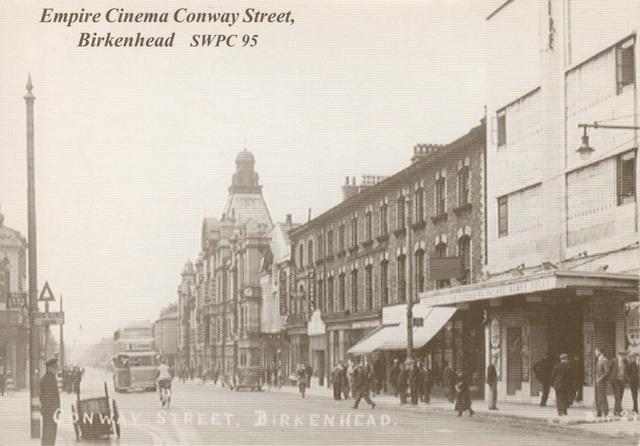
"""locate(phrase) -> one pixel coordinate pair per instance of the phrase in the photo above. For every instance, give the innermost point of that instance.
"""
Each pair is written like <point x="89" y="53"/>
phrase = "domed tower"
<point x="245" y="204"/>
<point x="245" y="180"/>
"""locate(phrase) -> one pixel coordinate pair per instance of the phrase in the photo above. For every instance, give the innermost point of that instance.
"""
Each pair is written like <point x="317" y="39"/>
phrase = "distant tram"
<point x="135" y="361"/>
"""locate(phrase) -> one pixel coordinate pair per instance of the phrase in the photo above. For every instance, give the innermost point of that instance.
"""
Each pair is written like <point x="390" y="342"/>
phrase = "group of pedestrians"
<point x="567" y="379"/>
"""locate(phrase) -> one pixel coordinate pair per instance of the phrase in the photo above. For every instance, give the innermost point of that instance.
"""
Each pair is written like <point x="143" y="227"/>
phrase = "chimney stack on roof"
<point x="421" y="151"/>
<point x="350" y="188"/>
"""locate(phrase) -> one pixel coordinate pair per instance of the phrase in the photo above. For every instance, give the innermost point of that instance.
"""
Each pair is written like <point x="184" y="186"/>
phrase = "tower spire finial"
<point x="29" y="84"/>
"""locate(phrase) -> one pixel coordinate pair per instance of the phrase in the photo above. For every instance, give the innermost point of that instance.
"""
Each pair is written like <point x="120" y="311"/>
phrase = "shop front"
<point x="441" y="337"/>
<point x="539" y="316"/>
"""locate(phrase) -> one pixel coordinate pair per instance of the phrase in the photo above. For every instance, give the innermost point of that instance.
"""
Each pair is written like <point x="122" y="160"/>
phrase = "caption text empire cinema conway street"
<point x="181" y="16"/>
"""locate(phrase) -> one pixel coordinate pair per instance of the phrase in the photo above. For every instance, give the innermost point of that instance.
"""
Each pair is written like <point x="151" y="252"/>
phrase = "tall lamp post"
<point x="34" y="332"/>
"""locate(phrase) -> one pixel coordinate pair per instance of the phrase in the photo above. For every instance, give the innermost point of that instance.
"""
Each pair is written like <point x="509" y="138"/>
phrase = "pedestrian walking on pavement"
<point x="427" y="383"/>
<point x="562" y="382"/>
<point x="449" y="381"/>
<point x="49" y="403"/>
<point x="335" y="382"/>
<point x="542" y="370"/>
<point x="619" y="377"/>
<point x="402" y="383"/>
<point x="361" y="385"/>
<point x="602" y="379"/>
<point x="309" y="372"/>
<point x="302" y="378"/>
<point x="463" y="395"/>
<point x="492" y="382"/>
<point x="394" y="372"/>
<point x="415" y="381"/>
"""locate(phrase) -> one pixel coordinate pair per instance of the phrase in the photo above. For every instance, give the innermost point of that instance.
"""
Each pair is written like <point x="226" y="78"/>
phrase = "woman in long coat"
<point x="463" y="398"/>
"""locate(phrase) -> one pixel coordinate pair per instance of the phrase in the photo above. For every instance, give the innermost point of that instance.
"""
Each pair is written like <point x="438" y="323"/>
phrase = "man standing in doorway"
<point x="602" y="378"/>
<point x="49" y="403"/>
<point x="492" y="381"/>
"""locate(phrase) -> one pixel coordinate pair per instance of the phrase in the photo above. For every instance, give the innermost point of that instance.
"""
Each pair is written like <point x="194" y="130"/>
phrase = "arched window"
<point x="384" y="282"/>
<point x="401" y="218"/>
<point x="368" y="287"/>
<point x="354" y="291"/>
<point x="464" y="251"/>
<point x="341" y="291"/>
<point x="401" y="278"/>
<point x="441" y="251"/>
<point x="419" y="270"/>
<point x="419" y="205"/>
<point x="330" y="294"/>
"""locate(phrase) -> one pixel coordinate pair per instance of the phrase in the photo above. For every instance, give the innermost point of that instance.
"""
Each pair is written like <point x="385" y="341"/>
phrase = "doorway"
<point x="566" y="330"/>
<point x="514" y="360"/>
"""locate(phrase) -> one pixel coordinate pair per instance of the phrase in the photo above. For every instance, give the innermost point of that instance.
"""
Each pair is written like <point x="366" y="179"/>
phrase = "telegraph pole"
<point x="34" y="332"/>
<point x="409" y="288"/>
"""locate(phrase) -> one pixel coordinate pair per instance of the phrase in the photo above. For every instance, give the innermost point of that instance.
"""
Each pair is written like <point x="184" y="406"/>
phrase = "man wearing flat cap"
<point x="49" y="402"/>
<point x="562" y="382"/>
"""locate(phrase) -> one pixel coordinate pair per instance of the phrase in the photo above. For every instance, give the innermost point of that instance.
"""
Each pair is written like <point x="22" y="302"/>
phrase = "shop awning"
<point x="531" y="284"/>
<point x="433" y="322"/>
<point x="394" y="337"/>
<point x="374" y="340"/>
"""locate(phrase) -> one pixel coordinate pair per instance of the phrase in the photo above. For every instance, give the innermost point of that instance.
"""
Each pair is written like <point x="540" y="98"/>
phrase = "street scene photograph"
<point x="297" y="222"/>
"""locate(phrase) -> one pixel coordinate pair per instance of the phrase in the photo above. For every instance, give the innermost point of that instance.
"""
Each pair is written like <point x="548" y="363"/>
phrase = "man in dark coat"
<point x="562" y="382"/>
<point x="335" y="379"/>
<point x="542" y="370"/>
<point x="360" y="383"/>
<point x="427" y="383"/>
<point x="415" y="381"/>
<point x="492" y="382"/>
<point x="393" y="376"/>
<point x="401" y="384"/>
<point x="619" y="376"/>
<point x="602" y="378"/>
<point x="49" y="403"/>
<point x="632" y="379"/>
<point x="449" y="381"/>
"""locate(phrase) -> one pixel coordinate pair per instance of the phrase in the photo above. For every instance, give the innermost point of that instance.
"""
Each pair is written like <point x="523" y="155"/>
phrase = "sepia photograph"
<point x="299" y="222"/>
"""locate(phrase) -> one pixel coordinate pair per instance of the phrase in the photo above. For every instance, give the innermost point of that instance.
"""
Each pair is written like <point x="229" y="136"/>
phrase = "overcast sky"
<point x="135" y="146"/>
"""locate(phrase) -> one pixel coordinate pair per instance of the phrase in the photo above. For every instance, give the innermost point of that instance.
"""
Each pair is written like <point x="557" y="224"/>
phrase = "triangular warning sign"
<point x="46" y="295"/>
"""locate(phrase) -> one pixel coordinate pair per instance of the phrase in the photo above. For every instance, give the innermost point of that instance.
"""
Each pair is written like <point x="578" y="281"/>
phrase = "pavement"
<point x="209" y="414"/>
<point x="580" y="418"/>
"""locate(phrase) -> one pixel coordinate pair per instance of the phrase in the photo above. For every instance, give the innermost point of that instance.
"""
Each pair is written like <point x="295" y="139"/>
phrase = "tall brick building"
<point x="357" y="264"/>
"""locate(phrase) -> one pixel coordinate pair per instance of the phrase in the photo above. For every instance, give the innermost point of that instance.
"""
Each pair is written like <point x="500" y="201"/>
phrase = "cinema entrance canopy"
<point x="544" y="284"/>
<point x="530" y="317"/>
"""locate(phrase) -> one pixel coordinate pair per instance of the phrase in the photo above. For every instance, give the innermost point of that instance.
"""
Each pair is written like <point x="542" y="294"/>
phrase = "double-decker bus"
<point x="135" y="360"/>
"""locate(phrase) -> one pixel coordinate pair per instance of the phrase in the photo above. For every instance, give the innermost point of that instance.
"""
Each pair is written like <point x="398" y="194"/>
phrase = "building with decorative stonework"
<point x="359" y="263"/>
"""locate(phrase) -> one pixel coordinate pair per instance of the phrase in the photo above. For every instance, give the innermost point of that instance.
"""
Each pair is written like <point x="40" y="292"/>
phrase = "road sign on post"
<point x="53" y="318"/>
<point x="46" y="295"/>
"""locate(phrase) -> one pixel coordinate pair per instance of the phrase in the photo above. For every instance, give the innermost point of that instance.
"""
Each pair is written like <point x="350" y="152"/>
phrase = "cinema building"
<point x="561" y="274"/>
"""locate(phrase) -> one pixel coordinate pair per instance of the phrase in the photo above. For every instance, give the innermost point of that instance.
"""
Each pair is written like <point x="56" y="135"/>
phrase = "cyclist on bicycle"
<point x="164" y="381"/>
